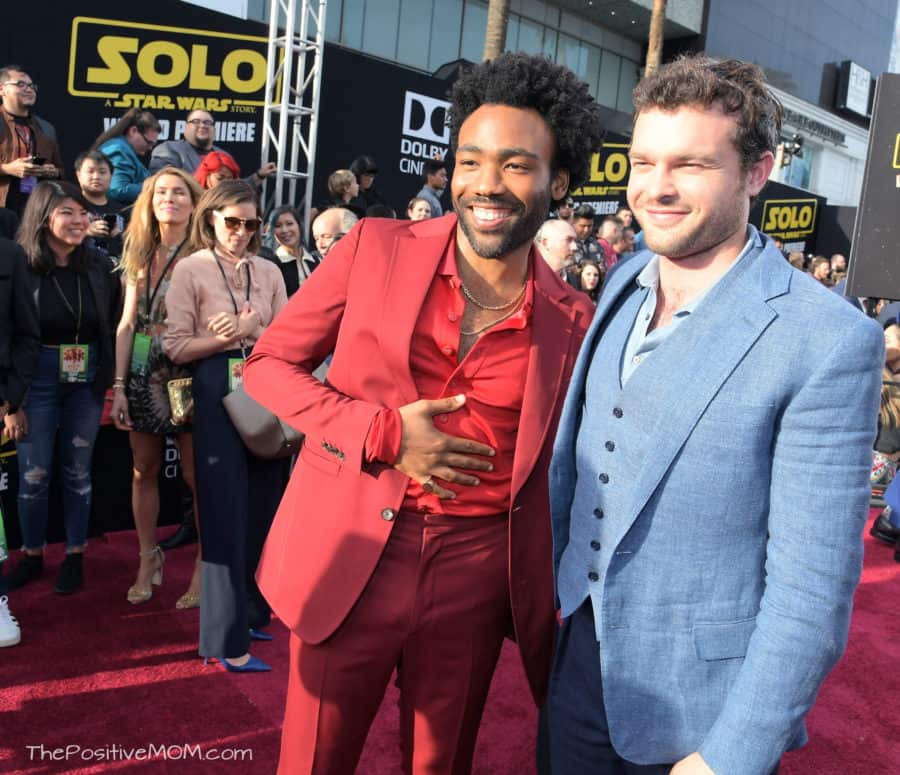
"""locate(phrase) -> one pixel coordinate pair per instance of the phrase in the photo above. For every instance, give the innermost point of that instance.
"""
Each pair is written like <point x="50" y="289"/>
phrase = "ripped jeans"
<point x="74" y="411"/>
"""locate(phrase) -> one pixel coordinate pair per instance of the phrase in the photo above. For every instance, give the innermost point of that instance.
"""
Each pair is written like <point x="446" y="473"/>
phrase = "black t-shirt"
<point x="108" y="246"/>
<point x="59" y="308"/>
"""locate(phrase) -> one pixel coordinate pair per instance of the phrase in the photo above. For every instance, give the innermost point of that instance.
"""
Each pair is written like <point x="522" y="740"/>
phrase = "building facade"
<point x="800" y="45"/>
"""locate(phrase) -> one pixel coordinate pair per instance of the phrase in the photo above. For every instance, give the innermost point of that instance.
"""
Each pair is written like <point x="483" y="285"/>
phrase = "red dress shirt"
<point x="492" y="377"/>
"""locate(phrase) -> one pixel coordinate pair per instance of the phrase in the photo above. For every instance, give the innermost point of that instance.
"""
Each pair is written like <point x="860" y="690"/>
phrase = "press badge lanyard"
<point x="159" y="280"/>
<point x="76" y="318"/>
<point x="140" y="348"/>
<point x="73" y="358"/>
<point x="235" y="365"/>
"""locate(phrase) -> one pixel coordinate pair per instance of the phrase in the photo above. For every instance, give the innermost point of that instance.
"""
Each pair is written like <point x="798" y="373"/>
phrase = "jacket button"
<point x="598" y="513"/>
<point x="617" y="413"/>
<point x="604" y="478"/>
<point x="610" y="445"/>
<point x="595" y="545"/>
<point x="594" y="576"/>
<point x="388" y="515"/>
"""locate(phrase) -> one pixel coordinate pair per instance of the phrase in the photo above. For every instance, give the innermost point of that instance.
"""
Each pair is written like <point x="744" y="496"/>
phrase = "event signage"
<point x="104" y="57"/>
<point x="854" y="88"/>
<point x="607" y="184"/>
<point x="790" y="214"/>
<point x="873" y="267"/>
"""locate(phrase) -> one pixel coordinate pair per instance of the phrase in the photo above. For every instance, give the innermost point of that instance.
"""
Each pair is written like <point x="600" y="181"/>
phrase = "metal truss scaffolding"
<point x="290" y="116"/>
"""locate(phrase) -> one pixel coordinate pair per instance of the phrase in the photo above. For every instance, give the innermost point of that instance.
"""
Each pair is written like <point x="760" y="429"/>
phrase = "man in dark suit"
<point x="415" y="529"/>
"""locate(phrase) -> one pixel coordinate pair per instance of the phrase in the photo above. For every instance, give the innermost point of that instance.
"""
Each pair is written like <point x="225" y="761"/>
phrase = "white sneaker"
<point x="10" y="634"/>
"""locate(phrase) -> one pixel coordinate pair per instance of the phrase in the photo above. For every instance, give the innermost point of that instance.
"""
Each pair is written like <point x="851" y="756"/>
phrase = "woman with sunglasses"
<point x="130" y="138"/>
<point x="77" y="299"/>
<point x="155" y="241"/>
<point x="219" y="302"/>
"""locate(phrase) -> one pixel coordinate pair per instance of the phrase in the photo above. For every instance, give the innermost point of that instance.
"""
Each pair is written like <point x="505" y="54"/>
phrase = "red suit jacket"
<point x="362" y="304"/>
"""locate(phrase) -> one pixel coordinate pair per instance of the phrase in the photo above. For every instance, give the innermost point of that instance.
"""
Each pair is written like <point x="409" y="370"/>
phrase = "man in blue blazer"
<point x="709" y="484"/>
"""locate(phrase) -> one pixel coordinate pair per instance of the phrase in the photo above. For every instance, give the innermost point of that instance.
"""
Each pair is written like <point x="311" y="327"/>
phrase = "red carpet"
<point x="106" y="679"/>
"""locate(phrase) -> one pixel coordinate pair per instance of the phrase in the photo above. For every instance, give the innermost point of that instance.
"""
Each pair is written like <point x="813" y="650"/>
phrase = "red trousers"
<point x="437" y="609"/>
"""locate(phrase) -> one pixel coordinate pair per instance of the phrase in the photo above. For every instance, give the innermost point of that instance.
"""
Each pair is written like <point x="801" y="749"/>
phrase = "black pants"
<point x="573" y="734"/>
<point x="238" y="495"/>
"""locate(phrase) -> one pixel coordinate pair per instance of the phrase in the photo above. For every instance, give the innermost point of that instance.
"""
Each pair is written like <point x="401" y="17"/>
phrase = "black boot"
<point x="187" y="531"/>
<point x="883" y="530"/>
<point x="29" y="567"/>
<point x="71" y="574"/>
<point x="897" y="551"/>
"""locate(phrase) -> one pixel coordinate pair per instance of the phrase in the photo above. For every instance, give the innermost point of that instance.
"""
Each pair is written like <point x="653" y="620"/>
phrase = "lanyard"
<point x="159" y="280"/>
<point x="76" y="318"/>
<point x="228" y="287"/>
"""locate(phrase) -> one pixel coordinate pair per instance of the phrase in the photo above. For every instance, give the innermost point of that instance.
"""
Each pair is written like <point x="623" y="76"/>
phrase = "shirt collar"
<point x="649" y="275"/>
<point x="447" y="268"/>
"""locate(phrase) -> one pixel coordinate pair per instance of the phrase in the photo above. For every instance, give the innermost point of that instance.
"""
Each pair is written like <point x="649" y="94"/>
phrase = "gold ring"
<point x="428" y="485"/>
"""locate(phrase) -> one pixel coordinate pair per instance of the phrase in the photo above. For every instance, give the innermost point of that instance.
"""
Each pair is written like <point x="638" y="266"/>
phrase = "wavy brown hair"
<point x="224" y="194"/>
<point x="142" y="235"/>
<point x="738" y="88"/>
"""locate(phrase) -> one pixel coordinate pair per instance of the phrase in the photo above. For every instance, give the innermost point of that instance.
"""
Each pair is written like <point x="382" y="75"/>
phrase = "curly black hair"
<point x="526" y="81"/>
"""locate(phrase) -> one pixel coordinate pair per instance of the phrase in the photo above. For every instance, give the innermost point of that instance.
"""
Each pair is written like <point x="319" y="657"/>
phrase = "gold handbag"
<point x="181" y="400"/>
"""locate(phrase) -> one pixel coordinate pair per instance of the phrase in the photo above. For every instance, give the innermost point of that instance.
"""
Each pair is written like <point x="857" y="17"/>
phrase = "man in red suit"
<point x="414" y="534"/>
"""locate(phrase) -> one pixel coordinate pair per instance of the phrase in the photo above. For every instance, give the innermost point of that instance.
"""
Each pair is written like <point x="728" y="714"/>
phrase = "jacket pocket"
<point x="723" y="640"/>
<point x="310" y="456"/>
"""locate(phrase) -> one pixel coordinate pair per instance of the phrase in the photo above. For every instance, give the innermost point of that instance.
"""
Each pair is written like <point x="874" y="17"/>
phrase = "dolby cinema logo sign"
<point x="425" y="134"/>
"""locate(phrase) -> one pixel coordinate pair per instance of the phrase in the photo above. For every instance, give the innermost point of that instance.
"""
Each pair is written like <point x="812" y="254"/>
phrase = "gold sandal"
<point x="188" y="600"/>
<point x="136" y="594"/>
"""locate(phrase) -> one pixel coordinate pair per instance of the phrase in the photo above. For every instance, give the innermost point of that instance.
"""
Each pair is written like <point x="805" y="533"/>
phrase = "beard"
<point x="525" y="223"/>
<point x="689" y="239"/>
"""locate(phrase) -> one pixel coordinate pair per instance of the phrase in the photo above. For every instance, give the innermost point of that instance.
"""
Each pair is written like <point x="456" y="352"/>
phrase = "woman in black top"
<point x="295" y="261"/>
<point x="76" y="298"/>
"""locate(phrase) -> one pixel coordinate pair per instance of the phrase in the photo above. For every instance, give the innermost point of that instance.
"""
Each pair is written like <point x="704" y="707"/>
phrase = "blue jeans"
<point x="73" y="410"/>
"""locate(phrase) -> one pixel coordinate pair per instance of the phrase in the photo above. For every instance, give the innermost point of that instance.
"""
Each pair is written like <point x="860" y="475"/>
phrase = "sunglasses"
<point x="233" y="224"/>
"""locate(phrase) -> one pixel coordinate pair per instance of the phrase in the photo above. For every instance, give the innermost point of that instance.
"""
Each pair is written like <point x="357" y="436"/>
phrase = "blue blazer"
<point x="727" y="597"/>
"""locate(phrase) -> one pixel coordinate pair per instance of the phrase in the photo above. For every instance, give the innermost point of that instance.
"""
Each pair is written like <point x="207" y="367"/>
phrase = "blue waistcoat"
<point x="604" y="465"/>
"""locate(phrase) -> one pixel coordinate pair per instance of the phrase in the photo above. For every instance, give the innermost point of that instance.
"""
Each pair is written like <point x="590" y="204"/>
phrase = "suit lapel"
<point x="675" y="385"/>
<point x="411" y="269"/>
<point x="546" y="366"/>
<point x="612" y="291"/>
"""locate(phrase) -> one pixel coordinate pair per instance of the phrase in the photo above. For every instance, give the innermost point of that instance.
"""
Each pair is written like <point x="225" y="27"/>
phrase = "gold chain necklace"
<point x="494" y="322"/>
<point x="477" y="303"/>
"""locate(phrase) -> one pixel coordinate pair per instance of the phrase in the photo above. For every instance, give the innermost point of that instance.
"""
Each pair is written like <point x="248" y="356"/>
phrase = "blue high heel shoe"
<point x="252" y="665"/>
<point x="259" y="635"/>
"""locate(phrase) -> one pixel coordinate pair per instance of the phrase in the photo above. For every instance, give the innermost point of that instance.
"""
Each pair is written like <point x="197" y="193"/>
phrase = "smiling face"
<point x="67" y="226"/>
<point x="687" y="187"/>
<point x="172" y="203"/>
<point x="94" y="177"/>
<point x="502" y="183"/>
<point x="287" y="231"/>
<point x="234" y="241"/>
<point x="200" y="129"/>
<point x="18" y="100"/>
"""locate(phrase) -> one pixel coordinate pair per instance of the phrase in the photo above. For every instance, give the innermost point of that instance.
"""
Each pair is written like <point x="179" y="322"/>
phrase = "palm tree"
<point x="495" y="33"/>
<point x="655" y="43"/>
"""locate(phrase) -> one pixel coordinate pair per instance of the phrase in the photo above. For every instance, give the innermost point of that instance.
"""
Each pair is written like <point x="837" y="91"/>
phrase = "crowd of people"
<point x="154" y="288"/>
